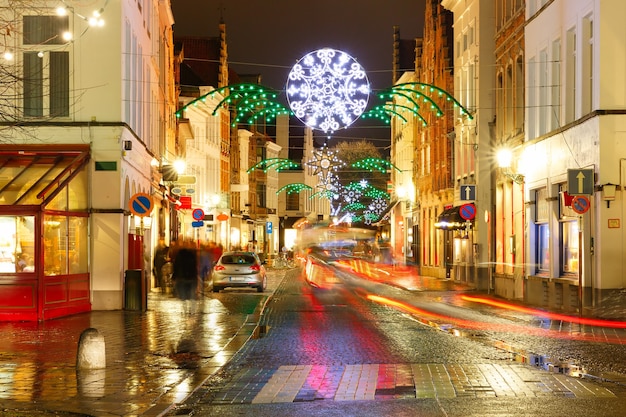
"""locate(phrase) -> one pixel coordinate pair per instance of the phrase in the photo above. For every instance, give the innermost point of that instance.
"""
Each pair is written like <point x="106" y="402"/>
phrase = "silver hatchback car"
<point x="239" y="269"/>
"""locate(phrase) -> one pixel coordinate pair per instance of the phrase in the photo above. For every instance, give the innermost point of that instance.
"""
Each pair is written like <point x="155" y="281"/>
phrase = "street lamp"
<point x="504" y="158"/>
<point x="180" y="166"/>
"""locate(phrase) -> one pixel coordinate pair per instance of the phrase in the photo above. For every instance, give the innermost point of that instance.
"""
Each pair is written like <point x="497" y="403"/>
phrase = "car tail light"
<point x="219" y="267"/>
<point x="255" y="267"/>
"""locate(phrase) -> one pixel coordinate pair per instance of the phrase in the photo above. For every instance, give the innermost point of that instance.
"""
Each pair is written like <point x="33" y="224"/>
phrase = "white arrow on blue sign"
<point x="468" y="192"/>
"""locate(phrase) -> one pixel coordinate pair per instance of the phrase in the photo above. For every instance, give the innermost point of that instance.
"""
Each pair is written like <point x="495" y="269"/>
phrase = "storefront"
<point x="459" y="248"/>
<point x="44" y="231"/>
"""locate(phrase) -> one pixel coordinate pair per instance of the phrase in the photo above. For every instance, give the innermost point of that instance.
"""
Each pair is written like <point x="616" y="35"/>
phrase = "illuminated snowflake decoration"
<point x="327" y="90"/>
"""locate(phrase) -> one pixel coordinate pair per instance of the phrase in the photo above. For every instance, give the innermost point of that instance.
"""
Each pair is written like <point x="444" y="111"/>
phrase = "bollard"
<point x="91" y="352"/>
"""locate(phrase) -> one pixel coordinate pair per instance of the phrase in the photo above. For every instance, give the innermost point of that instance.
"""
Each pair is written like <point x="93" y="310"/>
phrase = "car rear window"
<point x="238" y="259"/>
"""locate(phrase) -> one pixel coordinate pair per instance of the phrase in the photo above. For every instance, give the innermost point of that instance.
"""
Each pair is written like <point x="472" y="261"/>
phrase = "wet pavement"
<point x="158" y="358"/>
<point x="154" y="359"/>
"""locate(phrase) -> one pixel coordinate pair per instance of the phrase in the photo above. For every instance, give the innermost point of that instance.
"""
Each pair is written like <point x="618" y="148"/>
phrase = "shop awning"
<point x="450" y="219"/>
<point x="35" y="174"/>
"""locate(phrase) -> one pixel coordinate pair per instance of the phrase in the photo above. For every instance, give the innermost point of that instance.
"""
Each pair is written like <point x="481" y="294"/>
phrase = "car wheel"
<point x="216" y="289"/>
<point x="262" y="285"/>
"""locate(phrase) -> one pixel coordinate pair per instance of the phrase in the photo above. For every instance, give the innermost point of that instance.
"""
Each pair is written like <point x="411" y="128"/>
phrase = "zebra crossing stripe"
<point x="361" y="382"/>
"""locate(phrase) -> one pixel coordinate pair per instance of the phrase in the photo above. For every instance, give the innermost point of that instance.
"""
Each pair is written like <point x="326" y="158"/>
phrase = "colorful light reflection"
<point x="546" y="314"/>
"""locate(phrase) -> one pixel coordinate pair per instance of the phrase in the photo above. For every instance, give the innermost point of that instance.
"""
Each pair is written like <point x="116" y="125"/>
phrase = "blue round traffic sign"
<point x="140" y="204"/>
<point x="197" y="214"/>
<point x="467" y="211"/>
<point x="580" y="204"/>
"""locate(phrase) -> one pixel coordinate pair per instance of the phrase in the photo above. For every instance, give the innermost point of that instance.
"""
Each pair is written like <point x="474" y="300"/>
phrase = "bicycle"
<point x="283" y="262"/>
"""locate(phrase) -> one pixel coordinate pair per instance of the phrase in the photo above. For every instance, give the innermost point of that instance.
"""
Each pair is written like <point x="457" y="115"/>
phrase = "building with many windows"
<point x="546" y="145"/>
<point x="87" y="115"/>
<point x="571" y="157"/>
<point x="474" y="77"/>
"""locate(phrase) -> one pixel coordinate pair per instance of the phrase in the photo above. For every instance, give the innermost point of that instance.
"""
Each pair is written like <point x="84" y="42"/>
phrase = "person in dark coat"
<point x="161" y="257"/>
<point x="185" y="272"/>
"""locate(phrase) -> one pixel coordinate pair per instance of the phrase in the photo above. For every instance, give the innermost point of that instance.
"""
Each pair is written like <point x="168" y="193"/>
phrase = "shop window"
<point x="543" y="248"/>
<point x="542" y="210"/>
<point x="73" y="197"/>
<point x="65" y="245"/>
<point x="569" y="242"/>
<point x="17" y="244"/>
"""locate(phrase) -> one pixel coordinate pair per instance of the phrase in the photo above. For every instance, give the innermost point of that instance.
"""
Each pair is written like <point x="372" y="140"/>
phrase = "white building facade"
<point x="106" y="90"/>
<point x="574" y="145"/>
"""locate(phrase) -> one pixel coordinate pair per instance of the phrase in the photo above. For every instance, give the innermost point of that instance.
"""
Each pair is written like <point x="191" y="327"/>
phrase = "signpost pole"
<point x="580" y="266"/>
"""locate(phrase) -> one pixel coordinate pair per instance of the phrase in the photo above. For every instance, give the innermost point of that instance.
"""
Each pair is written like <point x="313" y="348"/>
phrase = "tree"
<point x="360" y="192"/>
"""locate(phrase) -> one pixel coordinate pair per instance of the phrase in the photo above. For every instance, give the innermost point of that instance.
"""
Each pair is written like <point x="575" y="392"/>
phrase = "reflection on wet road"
<point x="153" y="358"/>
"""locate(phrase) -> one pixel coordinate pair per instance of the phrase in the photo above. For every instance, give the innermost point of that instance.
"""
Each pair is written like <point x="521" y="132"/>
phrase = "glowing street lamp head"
<point x="327" y="90"/>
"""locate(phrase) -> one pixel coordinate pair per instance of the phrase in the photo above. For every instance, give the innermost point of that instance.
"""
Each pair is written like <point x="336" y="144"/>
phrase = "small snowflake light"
<point x="327" y="90"/>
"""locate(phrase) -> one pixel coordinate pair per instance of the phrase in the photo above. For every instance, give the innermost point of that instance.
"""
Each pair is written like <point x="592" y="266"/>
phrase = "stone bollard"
<point x="91" y="352"/>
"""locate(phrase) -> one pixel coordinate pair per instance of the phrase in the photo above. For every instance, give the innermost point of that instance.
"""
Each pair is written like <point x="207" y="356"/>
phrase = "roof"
<point x="35" y="174"/>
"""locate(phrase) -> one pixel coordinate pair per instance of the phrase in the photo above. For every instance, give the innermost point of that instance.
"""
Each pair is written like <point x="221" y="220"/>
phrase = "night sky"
<point x="268" y="36"/>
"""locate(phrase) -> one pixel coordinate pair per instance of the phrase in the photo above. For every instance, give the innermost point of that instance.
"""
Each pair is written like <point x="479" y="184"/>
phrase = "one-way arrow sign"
<point x="468" y="192"/>
<point x="580" y="181"/>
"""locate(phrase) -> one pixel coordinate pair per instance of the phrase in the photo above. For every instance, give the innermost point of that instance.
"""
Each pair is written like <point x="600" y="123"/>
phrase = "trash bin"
<point x="133" y="290"/>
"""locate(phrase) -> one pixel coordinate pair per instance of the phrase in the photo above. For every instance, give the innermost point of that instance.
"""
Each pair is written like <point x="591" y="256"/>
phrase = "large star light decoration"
<point x="327" y="90"/>
<point x="324" y="163"/>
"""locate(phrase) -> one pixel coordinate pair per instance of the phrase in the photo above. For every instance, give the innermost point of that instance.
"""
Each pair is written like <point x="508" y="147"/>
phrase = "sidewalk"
<point x="154" y="359"/>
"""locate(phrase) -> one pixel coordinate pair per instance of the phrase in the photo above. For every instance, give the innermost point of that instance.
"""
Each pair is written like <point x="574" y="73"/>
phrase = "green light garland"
<point x="375" y="164"/>
<point x="420" y="88"/>
<point x="278" y="164"/>
<point x="295" y="187"/>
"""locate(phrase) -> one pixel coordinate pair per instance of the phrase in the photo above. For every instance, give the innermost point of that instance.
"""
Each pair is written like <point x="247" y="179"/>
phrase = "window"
<point x="261" y="152"/>
<point x="46" y="80"/>
<point x="17" y="244"/>
<point x="531" y="126"/>
<point x="587" y="65"/>
<point x="543" y="231"/>
<point x="570" y="77"/>
<point x="543" y="248"/>
<point x="260" y="195"/>
<point x="556" y="85"/>
<point x="519" y="95"/>
<point x="65" y="245"/>
<point x="543" y="92"/>
<point x="569" y="242"/>
<point x="293" y="201"/>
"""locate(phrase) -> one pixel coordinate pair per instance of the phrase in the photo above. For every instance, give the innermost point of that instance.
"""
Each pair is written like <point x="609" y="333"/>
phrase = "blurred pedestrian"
<point x="185" y="274"/>
<point x="161" y="257"/>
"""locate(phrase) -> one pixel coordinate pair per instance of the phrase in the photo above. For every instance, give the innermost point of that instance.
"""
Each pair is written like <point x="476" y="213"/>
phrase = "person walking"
<point x="161" y="257"/>
<point x="185" y="275"/>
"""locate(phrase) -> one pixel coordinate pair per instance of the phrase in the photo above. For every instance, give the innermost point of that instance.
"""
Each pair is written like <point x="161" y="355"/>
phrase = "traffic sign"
<point x="269" y="227"/>
<point x="199" y="223"/>
<point x="580" y="204"/>
<point x="580" y="181"/>
<point x="468" y="192"/>
<point x="197" y="214"/>
<point x="141" y="204"/>
<point x="467" y="211"/>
